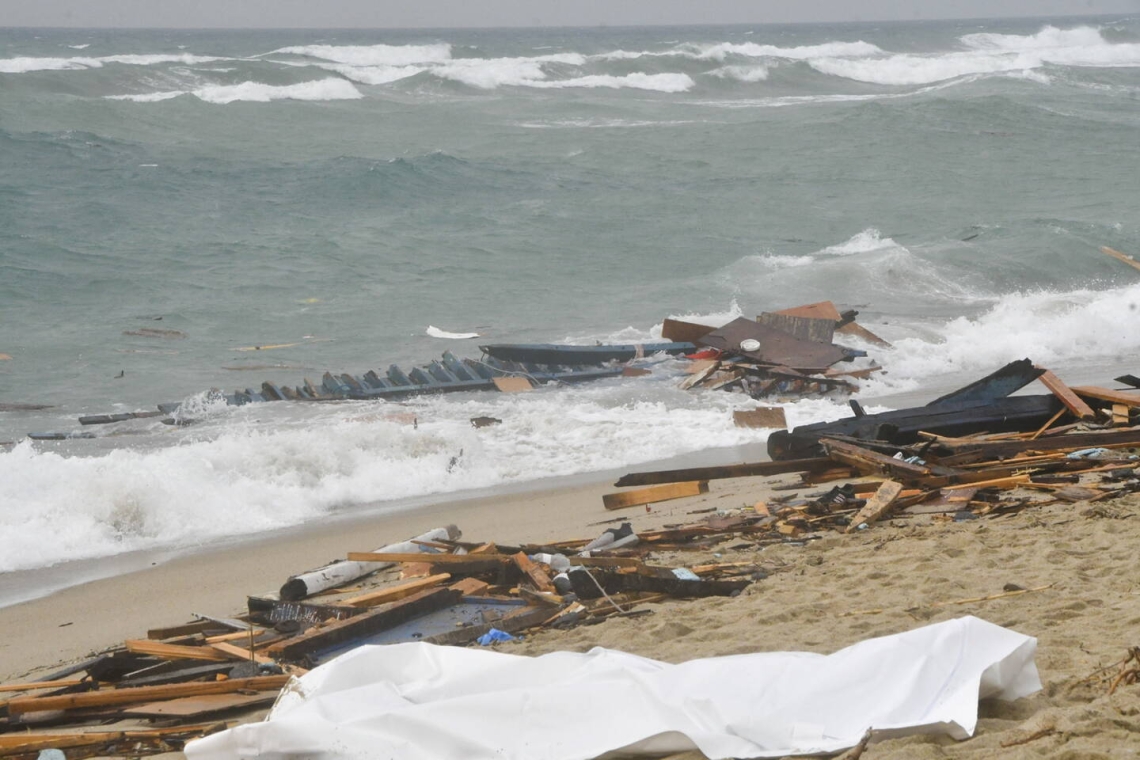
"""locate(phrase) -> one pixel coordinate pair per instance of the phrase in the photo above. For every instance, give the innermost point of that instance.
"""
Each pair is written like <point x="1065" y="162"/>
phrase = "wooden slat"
<point x="395" y="593"/>
<point x="764" y="417"/>
<point x="38" y="685"/>
<point x="536" y="574"/>
<point x="173" y="651"/>
<point x="471" y="587"/>
<point x="684" y="332"/>
<point x="856" y="329"/>
<point x="238" y="652"/>
<point x="654" y="494"/>
<point x="1072" y="401"/>
<point x="434" y="559"/>
<point x="877" y="507"/>
<point x="107" y="697"/>
<point x="192" y="707"/>
<point x="1120" y="256"/>
<point x="1128" y="398"/>
<point x="21" y="742"/>
<point x="746" y="470"/>
<point x="512" y="384"/>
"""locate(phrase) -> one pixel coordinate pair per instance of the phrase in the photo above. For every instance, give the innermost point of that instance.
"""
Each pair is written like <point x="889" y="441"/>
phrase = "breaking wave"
<point x="256" y="92"/>
<point x="259" y="471"/>
<point x="374" y="55"/>
<point x="25" y="64"/>
<point x="987" y="54"/>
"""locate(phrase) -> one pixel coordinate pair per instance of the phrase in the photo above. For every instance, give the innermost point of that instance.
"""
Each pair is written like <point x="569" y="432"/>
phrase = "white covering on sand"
<point x="423" y="702"/>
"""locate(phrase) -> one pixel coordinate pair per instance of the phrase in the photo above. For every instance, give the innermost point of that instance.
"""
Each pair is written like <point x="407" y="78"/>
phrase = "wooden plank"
<point x="654" y="494"/>
<point x="1120" y="415"/>
<point x="804" y="328"/>
<point x="684" y="332"/>
<point x="699" y="376"/>
<point x="764" y="417"/>
<point x="365" y="624"/>
<point x="27" y="743"/>
<point x="536" y="574"/>
<point x="238" y="652"/>
<point x="395" y="593"/>
<point x="108" y="697"/>
<point x="877" y="507"/>
<point x="874" y="463"/>
<point x="1120" y="256"/>
<point x="173" y="651"/>
<point x="512" y="384"/>
<point x="471" y="587"/>
<point x="435" y="559"/>
<point x="856" y="329"/>
<point x="745" y="470"/>
<point x="699" y="365"/>
<point x="193" y="707"/>
<point x="1072" y="401"/>
<point x="38" y="685"/>
<point x="1128" y="398"/>
<point x="818" y="310"/>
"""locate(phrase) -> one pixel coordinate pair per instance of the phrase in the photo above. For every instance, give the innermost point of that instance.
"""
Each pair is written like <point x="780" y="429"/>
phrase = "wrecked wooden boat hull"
<point x="553" y="353"/>
<point x="984" y="404"/>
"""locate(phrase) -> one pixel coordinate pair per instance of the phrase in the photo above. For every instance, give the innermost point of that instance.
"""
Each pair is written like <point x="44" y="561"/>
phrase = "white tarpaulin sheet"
<point x="423" y="702"/>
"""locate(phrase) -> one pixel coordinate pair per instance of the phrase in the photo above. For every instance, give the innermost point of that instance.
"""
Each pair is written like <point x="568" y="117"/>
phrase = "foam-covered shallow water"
<point x="285" y="203"/>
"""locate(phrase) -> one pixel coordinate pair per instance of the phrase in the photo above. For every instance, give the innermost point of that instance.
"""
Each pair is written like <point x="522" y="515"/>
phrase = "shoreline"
<point x="70" y="622"/>
<point x="20" y="586"/>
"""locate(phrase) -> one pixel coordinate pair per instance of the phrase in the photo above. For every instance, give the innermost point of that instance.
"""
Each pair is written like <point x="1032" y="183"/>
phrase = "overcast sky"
<point x="463" y="13"/>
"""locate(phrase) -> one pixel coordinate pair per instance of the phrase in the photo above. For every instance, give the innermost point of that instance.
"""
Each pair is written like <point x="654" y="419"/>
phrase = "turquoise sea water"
<point x="335" y="193"/>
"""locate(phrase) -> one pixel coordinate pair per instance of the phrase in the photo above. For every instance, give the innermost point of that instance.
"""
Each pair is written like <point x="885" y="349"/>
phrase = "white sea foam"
<point x="256" y="92"/>
<point x="373" y="75"/>
<point x="637" y="81"/>
<point x="723" y="50"/>
<point x="1055" y="329"/>
<point x="374" y="55"/>
<point x="747" y="74"/>
<point x="25" y="64"/>
<point x="84" y="46"/>
<point x="488" y="74"/>
<point x="149" y="97"/>
<point x="253" y="476"/>
<point x="987" y="54"/>
<point x="866" y="241"/>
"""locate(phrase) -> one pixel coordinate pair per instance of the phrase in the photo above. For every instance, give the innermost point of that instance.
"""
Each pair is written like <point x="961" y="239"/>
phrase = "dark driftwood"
<point x="997" y="385"/>
<point x="745" y="470"/>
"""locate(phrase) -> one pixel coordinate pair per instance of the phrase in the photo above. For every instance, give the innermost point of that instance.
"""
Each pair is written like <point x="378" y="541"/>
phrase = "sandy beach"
<point x="1063" y="573"/>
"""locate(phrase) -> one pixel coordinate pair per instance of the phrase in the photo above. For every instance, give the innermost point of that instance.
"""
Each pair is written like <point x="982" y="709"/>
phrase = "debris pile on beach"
<point x="978" y="452"/>
<point x="432" y="588"/>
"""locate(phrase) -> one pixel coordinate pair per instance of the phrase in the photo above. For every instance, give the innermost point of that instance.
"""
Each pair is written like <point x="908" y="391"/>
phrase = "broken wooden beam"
<point x="1128" y="398"/>
<point x="654" y="494"/>
<point x="877" y="507"/>
<point x="746" y="470"/>
<point x="395" y="593"/>
<point x="107" y="697"/>
<point x="1071" y="400"/>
